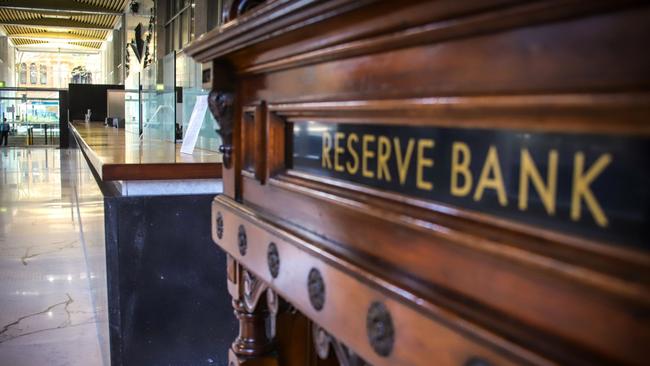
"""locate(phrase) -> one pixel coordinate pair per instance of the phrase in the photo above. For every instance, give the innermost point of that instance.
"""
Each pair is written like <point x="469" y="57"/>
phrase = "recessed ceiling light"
<point x="54" y="16"/>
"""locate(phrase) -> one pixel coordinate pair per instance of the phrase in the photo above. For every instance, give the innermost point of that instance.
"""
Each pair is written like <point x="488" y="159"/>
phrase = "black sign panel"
<point x="595" y="186"/>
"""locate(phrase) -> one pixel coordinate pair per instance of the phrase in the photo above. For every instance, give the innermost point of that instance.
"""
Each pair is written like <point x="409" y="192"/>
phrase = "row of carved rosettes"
<point x="340" y="301"/>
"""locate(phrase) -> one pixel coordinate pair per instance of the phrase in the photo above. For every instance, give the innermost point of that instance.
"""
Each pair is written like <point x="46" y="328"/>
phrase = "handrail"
<point x="15" y="88"/>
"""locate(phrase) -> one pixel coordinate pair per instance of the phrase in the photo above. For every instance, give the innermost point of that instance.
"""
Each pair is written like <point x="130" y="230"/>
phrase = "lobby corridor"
<point x="52" y="272"/>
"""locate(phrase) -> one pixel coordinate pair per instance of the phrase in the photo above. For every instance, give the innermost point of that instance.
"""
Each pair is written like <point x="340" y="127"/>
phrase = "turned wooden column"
<point x="252" y="340"/>
<point x="254" y="344"/>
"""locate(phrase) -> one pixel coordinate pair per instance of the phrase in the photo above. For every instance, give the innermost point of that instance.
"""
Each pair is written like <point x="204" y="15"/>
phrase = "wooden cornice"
<point x="265" y="22"/>
<point x="246" y="37"/>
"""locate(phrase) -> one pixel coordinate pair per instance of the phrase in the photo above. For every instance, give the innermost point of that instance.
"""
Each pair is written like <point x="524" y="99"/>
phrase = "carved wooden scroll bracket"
<point x="221" y="106"/>
<point x="221" y="102"/>
<point x="253" y="290"/>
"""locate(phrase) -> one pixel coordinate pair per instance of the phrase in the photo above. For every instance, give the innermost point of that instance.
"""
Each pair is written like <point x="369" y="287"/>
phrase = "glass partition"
<point x="32" y="114"/>
<point x="132" y="104"/>
<point x="188" y="74"/>
<point x="161" y="107"/>
<point x="159" y="101"/>
<point x="150" y="109"/>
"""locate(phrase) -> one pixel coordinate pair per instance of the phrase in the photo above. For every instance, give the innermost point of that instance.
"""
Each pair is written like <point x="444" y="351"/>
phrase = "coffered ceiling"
<point x="59" y="24"/>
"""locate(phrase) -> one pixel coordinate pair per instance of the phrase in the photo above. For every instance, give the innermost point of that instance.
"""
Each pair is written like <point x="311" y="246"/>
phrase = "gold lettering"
<point x="423" y="163"/>
<point x="403" y="164"/>
<point x="383" y="155"/>
<point x="491" y="168"/>
<point x="338" y="150"/>
<point x="353" y="168"/>
<point x="529" y="170"/>
<point x="327" y="146"/>
<point x="462" y="168"/>
<point x="365" y="155"/>
<point x="581" y="189"/>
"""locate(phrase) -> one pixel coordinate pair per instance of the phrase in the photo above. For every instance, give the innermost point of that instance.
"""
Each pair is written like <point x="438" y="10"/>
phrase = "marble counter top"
<point x="119" y="155"/>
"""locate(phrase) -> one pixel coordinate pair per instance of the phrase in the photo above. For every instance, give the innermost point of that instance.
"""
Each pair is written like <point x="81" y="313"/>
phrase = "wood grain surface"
<point x="119" y="155"/>
<point x="462" y="287"/>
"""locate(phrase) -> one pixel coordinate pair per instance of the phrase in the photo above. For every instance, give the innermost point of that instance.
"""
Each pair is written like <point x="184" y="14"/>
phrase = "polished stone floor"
<point x="52" y="272"/>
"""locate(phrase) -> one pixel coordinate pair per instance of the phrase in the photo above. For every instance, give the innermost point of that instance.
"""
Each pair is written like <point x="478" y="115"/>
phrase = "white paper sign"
<point x="194" y="127"/>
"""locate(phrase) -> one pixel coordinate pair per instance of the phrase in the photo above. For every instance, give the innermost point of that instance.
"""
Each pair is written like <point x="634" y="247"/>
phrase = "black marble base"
<point x="167" y="294"/>
<point x="168" y="299"/>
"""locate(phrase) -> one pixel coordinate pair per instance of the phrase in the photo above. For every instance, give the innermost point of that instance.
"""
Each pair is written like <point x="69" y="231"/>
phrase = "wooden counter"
<point x="119" y="155"/>
<point x="434" y="182"/>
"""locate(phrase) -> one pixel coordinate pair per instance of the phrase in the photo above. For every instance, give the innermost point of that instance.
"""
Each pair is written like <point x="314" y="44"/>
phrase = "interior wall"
<point x="6" y="61"/>
<point x="89" y="96"/>
<point x="115" y="101"/>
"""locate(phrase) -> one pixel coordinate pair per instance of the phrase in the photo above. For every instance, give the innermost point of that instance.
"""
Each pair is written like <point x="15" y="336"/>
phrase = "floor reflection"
<point x="52" y="271"/>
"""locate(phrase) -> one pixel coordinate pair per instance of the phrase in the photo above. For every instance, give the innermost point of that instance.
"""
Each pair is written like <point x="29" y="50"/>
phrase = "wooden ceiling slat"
<point x="23" y="42"/>
<point x="19" y="19"/>
<point x="56" y="23"/>
<point x="61" y="6"/>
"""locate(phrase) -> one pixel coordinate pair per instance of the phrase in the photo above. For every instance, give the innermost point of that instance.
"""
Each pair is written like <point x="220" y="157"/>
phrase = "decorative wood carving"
<point x="219" y="224"/>
<point x="316" y="289"/>
<point x="273" y="304"/>
<point x="221" y="106"/>
<point x="242" y="242"/>
<point x="273" y="260"/>
<point x="455" y="281"/>
<point x="254" y="343"/>
<point x="323" y="341"/>
<point x="381" y="332"/>
<point x="253" y="290"/>
<point x="252" y="340"/>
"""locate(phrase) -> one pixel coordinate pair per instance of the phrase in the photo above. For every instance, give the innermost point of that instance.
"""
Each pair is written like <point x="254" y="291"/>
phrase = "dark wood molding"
<point x="161" y="171"/>
<point x="567" y="113"/>
<point x="262" y="22"/>
<point x="276" y="18"/>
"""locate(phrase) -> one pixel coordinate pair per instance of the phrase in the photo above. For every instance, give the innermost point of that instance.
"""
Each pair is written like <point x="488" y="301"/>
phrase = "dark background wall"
<point x="64" y="131"/>
<point x="82" y="97"/>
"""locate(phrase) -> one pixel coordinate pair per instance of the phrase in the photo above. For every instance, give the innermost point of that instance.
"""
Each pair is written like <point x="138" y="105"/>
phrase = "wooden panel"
<point x="445" y="340"/>
<point x="508" y="125"/>
<point x="250" y="141"/>
<point x="466" y="252"/>
<point x="563" y="57"/>
<point x="545" y="294"/>
<point x="463" y="283"/>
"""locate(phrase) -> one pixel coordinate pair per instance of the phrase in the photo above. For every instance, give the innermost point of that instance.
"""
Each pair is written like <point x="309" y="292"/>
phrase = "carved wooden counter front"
<point x="434" y="182"/>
